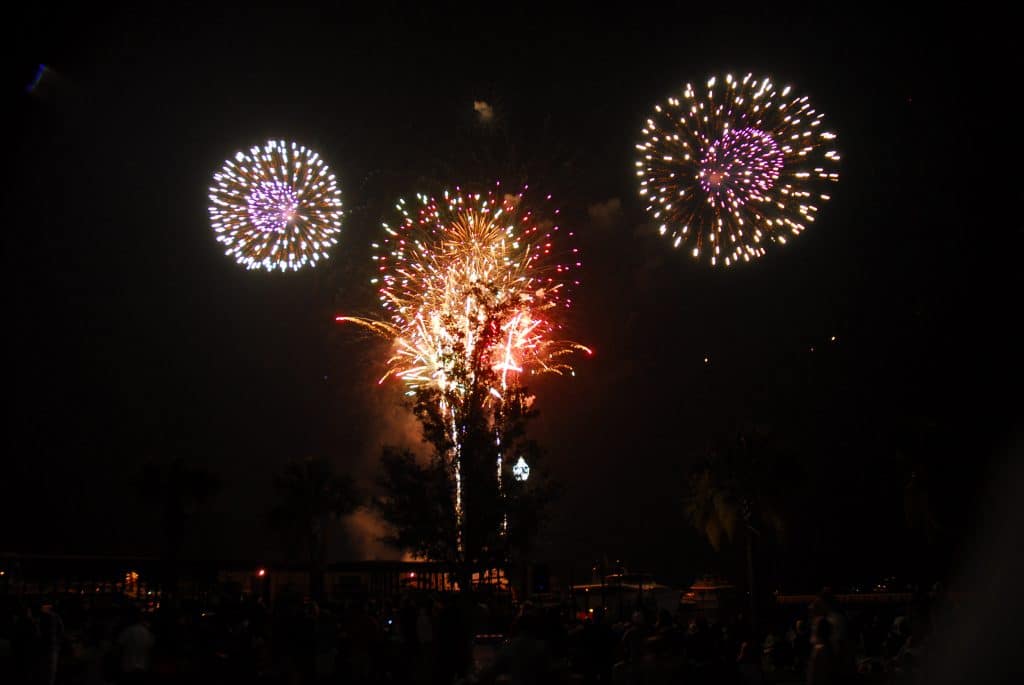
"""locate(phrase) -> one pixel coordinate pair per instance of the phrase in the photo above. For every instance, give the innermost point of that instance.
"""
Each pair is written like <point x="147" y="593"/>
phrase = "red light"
<point x="262" y="572"/>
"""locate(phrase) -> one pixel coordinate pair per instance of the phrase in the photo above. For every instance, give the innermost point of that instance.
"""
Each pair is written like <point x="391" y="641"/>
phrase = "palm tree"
<point x="738" y="489"/>
<point x="312" y="498"/>
<point x="709" y="508"/>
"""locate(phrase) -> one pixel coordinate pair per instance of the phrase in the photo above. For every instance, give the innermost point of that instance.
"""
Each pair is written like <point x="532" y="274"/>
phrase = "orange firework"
<point x="473" y="285"/>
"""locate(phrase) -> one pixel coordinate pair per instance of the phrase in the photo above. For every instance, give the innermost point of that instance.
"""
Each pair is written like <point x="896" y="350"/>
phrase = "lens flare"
<point x="736" y="165"/>
<point x="277" y="207"/>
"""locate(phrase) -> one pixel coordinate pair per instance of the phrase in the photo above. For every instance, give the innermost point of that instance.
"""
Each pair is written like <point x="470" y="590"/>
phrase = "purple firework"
<point x="733" y="167"/>
<point x="277" y="207"/>
<point x="743" y="164"/>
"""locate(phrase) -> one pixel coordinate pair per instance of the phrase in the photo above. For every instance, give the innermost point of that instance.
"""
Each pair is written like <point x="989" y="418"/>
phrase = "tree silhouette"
<point x="312" y="499"/>
<point x="179" y="489"/>
<point x="418" y="504"/>
<point x="709" y="507"/>
<point x="500" y="516"/>
<point x="739" y="493"/>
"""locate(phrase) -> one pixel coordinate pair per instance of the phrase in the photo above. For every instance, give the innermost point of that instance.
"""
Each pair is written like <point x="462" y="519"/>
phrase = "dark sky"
<point x="130" y="337"/>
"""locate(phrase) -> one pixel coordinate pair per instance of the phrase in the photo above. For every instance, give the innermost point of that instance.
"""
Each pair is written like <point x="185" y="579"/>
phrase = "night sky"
<point x="130" y="337"/>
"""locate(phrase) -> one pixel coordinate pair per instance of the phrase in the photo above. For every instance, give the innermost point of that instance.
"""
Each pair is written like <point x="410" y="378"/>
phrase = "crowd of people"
<point x="442" y="639"/>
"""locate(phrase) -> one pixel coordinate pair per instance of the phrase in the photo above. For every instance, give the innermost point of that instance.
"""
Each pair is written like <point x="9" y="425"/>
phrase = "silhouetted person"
<point x="51" y="636"/>
<point x="363" y="633"/>
<point x="598" y="648"/>
<point x="698" y="641"/>
<point x="525" y="658"/>
<point x="748" y="663"/>
<point x="135" y="643"/>
<point x="633" y="649"/>
<point x="6" y="646"/>
<point x="801" y="644"/>
<point x="823" y="667"/>
<point x="450" y="642"/>
<point x="425" y="630"/>
<point x="94" y="651"/>
<point x="407" y="617"/>
<point x="874" y="637"/>
<point x="25" y="644"/>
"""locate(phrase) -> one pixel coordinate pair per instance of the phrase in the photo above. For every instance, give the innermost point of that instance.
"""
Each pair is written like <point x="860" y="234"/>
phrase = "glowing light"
<point x="521" y="470"/>
<point x="262" y="572"/>
<point x="731" y="167"/>
<point x="277" y="207"/>
<point x="473" y="285"/>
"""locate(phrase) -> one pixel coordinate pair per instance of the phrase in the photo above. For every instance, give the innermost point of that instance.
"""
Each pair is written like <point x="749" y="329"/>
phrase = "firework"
<point x="277" y="207"/>
<point x="472" y="285"/>
<point x="736" y="165"/>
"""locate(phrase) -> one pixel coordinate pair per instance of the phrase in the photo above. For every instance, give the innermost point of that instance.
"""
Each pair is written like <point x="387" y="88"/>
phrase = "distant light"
<point x="707" y="360"/>
<point x="262" y="572"/>
<point x="833" y="338"/>
<point x="521" y="470"/>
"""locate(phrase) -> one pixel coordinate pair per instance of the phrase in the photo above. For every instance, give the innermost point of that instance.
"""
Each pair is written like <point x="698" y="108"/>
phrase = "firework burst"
<point x="472" y="285"/>
<point x="733" y="166"/>
<point x="277" y="207"/>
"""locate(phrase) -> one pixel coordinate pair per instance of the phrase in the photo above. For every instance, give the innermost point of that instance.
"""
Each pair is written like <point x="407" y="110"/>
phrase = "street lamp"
<point x="521" y="470"/>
